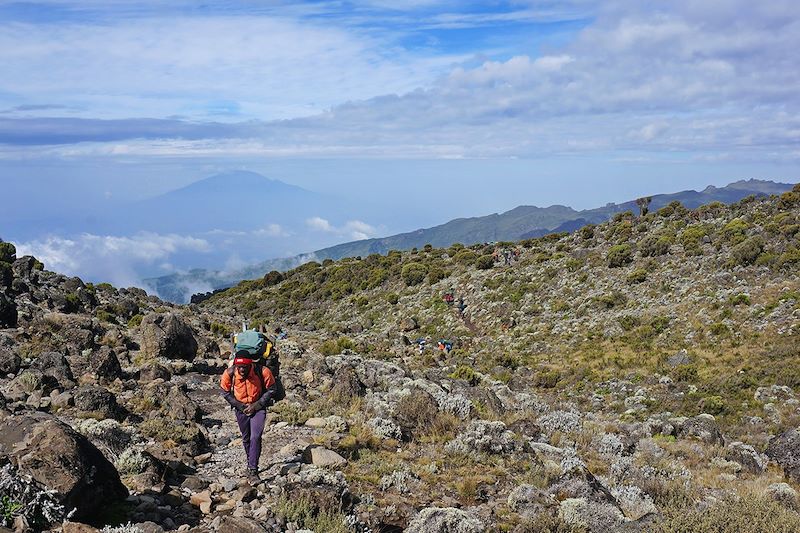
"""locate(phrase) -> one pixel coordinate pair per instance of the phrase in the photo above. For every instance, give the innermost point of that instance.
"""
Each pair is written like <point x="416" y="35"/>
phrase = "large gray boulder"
<point x="167" y="336"/>
<point x="97" y="402"/>
<point x="785" y="450"/>
<point x="59" y="458"/>
<point x="8" y="312"/>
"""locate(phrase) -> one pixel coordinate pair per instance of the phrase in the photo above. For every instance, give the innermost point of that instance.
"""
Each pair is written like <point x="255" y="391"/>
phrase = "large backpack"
<point x="262" y="350"/>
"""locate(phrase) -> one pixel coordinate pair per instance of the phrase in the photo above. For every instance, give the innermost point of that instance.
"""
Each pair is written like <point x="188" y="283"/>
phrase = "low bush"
<point x="619" y="255"/>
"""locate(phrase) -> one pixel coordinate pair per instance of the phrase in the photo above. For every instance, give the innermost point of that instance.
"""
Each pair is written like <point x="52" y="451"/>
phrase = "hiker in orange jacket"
<point x="249" y="388"/>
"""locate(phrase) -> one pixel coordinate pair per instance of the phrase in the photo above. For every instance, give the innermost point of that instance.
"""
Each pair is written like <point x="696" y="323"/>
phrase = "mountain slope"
<point x="522" y="222"/>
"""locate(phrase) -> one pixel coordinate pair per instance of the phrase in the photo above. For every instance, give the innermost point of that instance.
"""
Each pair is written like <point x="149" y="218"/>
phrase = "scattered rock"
<point x="784" y="449"/>
<point x="167" y="336"/>
<point x="319" y="456"/>
<point x="444" y="520"/>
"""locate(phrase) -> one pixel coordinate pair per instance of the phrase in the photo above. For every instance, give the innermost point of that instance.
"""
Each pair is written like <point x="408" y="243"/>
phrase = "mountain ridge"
<point x="518" y="223"/>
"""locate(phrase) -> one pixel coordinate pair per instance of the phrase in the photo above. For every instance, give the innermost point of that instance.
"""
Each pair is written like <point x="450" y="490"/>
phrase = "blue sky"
<point x="493" y="104"/>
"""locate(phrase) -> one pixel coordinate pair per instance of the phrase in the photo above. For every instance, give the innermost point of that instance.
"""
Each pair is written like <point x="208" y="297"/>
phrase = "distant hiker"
<point x="507" y="256"/>
<point x="421" y="343"/>
<point x="461" y="306"/>
<point x="448" y="298"/>
<point x="280" y="334"/>
<point x="250" y="387"/>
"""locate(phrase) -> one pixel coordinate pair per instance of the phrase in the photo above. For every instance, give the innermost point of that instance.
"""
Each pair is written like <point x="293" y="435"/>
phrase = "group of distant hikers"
<point x="250" y="385"/>
<point x="507" y="254"/>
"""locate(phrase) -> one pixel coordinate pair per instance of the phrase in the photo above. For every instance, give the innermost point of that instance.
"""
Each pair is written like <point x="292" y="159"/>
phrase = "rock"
<point x="527" y="500"/>
<point x="319" y="456"/>
<point x="703" y="427"/>
<point x="784" y="449"/>
<point x="444" y="520"/>
<point x="408" y="324"/>
<point x="77" y="527"/>
<point x="154" y="370"/>
<point x="55" y="365"/>
<point x="680" y="358"/>
<point x="97" y="401"/>
<point x="105" y="365"/>
<point x="231" y="524"/>
<point x="346" y="386"/>
<point x="8" y="312"/>
<point x="61" y="459"/>
<point x="9" y="361"/>
<point x="415" y="412"/>
<point x="179" y="406"/>
<point x="194" y="483"/>
<point x="307" y="376"/>
<point x="316" y="423"/>
<point x="747" y="456"/>
<point x="62" y="400"/>
<point x="245" y="494"/>
<point x="167" y="336"/>
<point x="784" y="494"/>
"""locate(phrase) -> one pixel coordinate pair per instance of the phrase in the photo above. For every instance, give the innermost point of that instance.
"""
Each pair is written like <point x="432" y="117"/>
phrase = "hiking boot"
<point x="252" y="476"/>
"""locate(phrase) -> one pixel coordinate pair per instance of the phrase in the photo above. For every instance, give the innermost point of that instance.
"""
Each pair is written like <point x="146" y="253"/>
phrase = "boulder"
<point x="703" y="427"/>
<point x="102" y="364"/>
<point x="482" y="436"/>
<point x="444" y="520"/>
<point x="97" y="402"/>
<point x="234" y="524"/>
<point x="408" y="324"/>
<point x="179" y="406"/>
<point x="59" y="458"/>
<point x="319" y="456"/>
<point x="346" y="386"/>
<point x="56" y="365"/>
<point x="9" y="361"/>
<point x="8" y="312"/>
<point x="784" y="494"/>
<point x="153" y="371"/>
<point x="784" y="449"/>
<point x="167" y="336"/>
<point x="747" y="456"/>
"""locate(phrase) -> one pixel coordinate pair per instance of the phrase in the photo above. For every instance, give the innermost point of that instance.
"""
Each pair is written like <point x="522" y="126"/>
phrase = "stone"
<point x="198" y="498"/>
<point x="97" y="401"/>
<point x="77" y="527"/>
<point x="319" y="456"/>
<point x="784" y="449"/>
<point x="232" y="524"/>
<point x="747" y="456"/>
<point x="62" y="460"/>
<point x="408" y="324"/>
<point x="703" y="427"/>
<point x="679" y="358"/>
<point x="167" y="335"/>
<point x="9" y="361"/>
<point x="316" y="423"/>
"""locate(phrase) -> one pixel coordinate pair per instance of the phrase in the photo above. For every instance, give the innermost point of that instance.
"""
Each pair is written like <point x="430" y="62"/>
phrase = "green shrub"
<point x="8" y="252"/>
<point x="413" y="273"/>
<point x="629" y="322"/>
<point x="335" y="347"/>
<point x="467" y="373"/>
<point x="135" y="321"/>
<point x="713" y="405"/>
<point x="734" y="231"/>
<point x="587" y="231"/>
<point x="393" y="298"/>
<point x="789" y="257"/>
<point x="748" y="251"/>
<point x="311" y="515"/>
<point x="637" y="276"/>
<point x="272" y="278"/>
<point x="219" y="329"/>
<point x="655" y="245"/>
<point x="685" y="373"/>
<point x="437" y="274"/>
<point x="614" y="299"/>
<point x="105" y="316"/>
<point x="546" y="379"/>
<point x="619" y="255"/>
<point x="484" y="262"/>
<point x="465" y="257"/>
<point x="739" y="299"/>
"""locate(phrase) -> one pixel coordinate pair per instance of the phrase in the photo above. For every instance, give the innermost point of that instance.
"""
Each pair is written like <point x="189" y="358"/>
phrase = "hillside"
<point x="522" y="222"/>
<point x="638" y="375"/>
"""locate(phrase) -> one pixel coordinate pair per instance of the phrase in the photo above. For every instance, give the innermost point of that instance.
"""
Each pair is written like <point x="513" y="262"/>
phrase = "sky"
<point x="486" y="104"/>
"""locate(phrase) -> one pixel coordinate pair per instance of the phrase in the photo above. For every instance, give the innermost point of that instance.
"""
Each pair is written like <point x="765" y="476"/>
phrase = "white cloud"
<point x="319" y="224"/>
<point x="109" y="258"/>
<point x="353" y="229"/>
<point x="272" y="230"/>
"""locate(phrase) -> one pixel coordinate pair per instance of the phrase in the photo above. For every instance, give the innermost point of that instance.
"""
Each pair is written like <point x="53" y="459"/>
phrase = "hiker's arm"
<point x="226" y="390"/>
<point x="270" y="389"/>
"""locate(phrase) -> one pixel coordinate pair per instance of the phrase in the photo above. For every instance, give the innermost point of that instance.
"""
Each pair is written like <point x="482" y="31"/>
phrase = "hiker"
<point x="461" y="306"/>
<point x="280" y="334"/>
<point x="448" y="298"/>
<point x="421" y="343"/>
<point x="250" y="387"/>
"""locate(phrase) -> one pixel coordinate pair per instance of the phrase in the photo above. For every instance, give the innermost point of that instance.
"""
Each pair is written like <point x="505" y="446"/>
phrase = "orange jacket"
<point x="247" y="390"/>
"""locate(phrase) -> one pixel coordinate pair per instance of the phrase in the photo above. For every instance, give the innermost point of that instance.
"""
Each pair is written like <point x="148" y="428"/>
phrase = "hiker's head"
<point x="242" y="364"/>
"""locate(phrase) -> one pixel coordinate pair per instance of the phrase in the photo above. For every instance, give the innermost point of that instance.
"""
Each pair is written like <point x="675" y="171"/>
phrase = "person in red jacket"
<point x="249" y="388"/>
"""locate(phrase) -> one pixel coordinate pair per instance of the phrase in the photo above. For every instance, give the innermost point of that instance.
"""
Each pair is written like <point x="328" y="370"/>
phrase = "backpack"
<point x="256" y="344"/>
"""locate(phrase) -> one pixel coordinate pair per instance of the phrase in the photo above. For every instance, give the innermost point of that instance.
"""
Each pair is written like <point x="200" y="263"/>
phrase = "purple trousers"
<point x="252" y="427"/>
